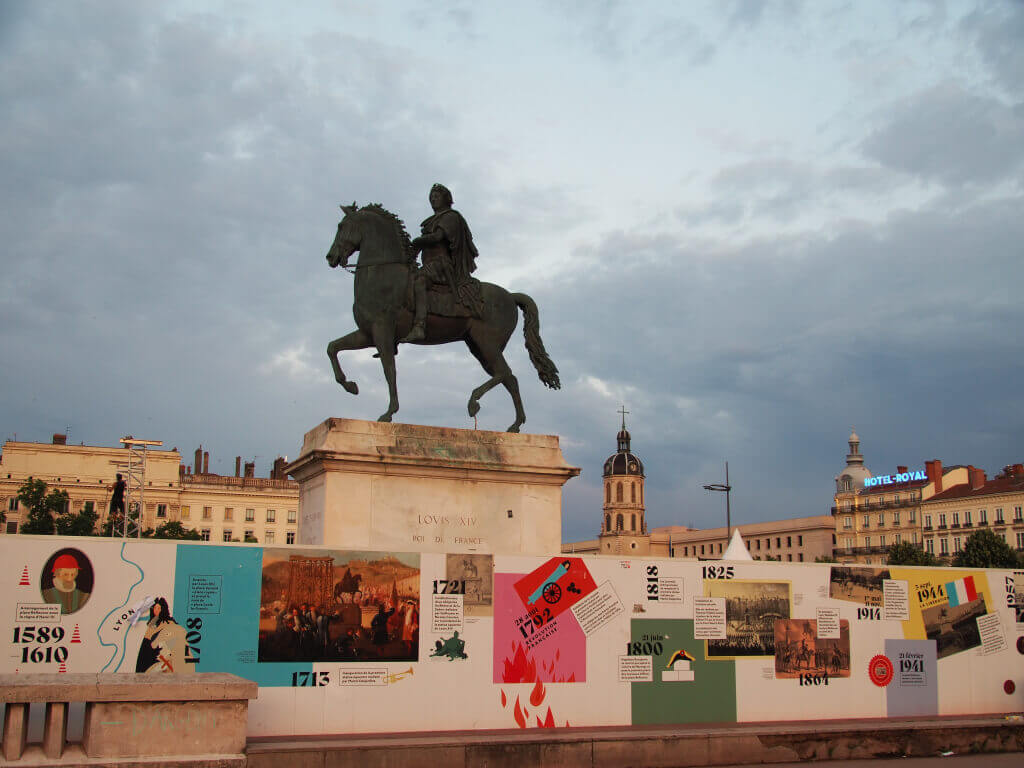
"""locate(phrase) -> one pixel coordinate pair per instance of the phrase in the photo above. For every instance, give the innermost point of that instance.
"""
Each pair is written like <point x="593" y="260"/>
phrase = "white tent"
<point x="736" y="550"/>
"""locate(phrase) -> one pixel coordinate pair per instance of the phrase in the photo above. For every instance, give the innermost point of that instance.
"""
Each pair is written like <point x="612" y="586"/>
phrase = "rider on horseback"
<point x="449" y="256"/>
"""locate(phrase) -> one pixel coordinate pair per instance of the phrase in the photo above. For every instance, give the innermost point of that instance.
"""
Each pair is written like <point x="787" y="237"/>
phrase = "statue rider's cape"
<point x="463" y="252"/>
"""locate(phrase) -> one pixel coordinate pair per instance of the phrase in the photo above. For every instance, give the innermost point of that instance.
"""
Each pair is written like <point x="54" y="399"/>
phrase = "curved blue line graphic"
<point x="127" y="598"/>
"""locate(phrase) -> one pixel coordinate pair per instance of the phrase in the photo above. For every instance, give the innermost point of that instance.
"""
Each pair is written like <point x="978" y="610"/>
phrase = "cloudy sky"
<point x="755" y="224"/>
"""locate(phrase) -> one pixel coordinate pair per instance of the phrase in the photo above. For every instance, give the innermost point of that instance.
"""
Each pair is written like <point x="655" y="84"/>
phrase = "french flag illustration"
<point x="961" y="591"/>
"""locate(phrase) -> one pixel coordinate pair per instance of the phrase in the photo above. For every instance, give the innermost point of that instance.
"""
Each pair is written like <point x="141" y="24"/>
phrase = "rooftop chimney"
<point x="59" y="439"/>
<point x="901" y="470"/>
<point x="1018" y="469"/>
<point x="278" y="470"/>
<point x="198" y="463"/>
<point x="933" y="471"/>
<point x="238" y="466"/>
<point x="976" y="477"/>
<point x="206" y="462"/>
<point x="250" y="469"/>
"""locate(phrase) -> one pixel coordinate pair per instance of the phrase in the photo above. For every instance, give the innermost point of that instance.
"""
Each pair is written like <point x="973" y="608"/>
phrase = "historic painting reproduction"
<point x="858" y="585"/>
<point x="751" y="610"/>
<point x="473" y="576"/>
<point x="799" y="650"/>
<point x="325" y="605"/>
<point x="954" y="628"/>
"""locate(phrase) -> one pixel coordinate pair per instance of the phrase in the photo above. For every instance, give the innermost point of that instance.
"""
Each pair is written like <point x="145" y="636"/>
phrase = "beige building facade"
<point x="219" y="507"/>
<point x="957" y="510"/>
<point x="872" y="513"/>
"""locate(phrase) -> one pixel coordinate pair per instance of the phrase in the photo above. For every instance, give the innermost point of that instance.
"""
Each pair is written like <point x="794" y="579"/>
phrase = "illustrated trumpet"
<point x="394" y="677"/>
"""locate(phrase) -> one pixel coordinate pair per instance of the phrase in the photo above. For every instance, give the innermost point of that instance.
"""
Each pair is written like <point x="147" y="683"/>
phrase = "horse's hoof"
<point x="386" y="417"/>
<point x="513" y="428"/>
<point x="351" y="387"/>
<point x="474" y="408"/>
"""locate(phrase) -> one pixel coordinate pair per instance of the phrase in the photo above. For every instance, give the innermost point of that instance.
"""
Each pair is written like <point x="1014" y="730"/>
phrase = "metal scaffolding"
<point x="135" y="486"/>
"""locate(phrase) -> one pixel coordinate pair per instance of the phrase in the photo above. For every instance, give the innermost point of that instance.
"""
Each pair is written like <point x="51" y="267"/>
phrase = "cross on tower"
<point x="623" y="411"/>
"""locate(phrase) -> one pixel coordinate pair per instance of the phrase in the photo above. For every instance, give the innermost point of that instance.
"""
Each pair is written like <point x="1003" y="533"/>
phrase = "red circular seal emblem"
<point x="880" y="670"/>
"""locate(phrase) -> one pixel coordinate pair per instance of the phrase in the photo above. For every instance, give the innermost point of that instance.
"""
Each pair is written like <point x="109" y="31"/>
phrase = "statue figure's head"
<point x="440" y="197"/>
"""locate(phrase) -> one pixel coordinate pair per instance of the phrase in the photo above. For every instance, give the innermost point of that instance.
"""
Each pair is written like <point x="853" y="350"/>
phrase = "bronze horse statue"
<point x="383" y="311"/>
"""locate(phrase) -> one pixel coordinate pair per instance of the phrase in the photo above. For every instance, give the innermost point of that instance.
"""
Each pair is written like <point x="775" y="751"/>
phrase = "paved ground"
<point x="1004" y="760"/>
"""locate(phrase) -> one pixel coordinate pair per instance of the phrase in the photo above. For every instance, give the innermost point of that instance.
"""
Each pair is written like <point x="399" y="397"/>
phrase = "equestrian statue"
<point x="397" y="302"/>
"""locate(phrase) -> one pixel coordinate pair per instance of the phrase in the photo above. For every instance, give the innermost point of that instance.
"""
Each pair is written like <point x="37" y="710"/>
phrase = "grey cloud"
<point x="998" y="30"/>
<point x="952" y="136"/>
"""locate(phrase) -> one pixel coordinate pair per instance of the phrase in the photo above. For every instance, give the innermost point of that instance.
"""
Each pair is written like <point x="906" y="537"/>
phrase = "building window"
<point x="1020" y="539"/>
<point x="186" y="513"/>
<point x="983" y="516"/>
<point x="867" y="541"/>
<point x="758" y="543"/>
<point x="632" y="492"/>
<point x="618" y="491"/>
<point x="632" y="522"/>
<point x="789" y="541"/>
<point x="847" y="522"/>
<point x="895" y="498"/>
<point x="1018" y="514"/>
<point x="930" y="546"/>
<point x="967" y="517"/>
<point x="607" y="522"/>
<point x="956" y="544"/>
<point x="227" y="535"/>
<point x="250" y="515"/>
<point x="271" y="516"/>
<point x="895" y="518"/>
<point x="778" y="542"/>
<point x="161" y="509"/>
<point x="205" y="534"/>
<point x="942" y="520"/>
<point x="999" y="515"/>
<point x="12" y="504"/>
<point x="927" y="521"/>
<point x="608" y="494"/>
<point x="268" y="537"/>
<point x="956" y="518"/>
<point x="292" y="515"/>
<point x="897" y="538"/>
<point x="702" y="549"/>
<point x="849" y="543"/>
<point x="768" y="543"/>
<point x="618" y="523"/>
<point x="867" y="520"/>
<point x="12" y="527"/>
<point x="881" y="518"/>
<point x="290" y="537"/>
<point x="913" y="537"/>
<point x="913" y="516"/>
<point x="800" y="556"/>
<point x="943" y="547"/>
<point x="207" y="513"/>
<point x="881" y="540"/>
<point x="250" y="536"/>
<point x="229" y="513"/>
<point x="719" y="548"/>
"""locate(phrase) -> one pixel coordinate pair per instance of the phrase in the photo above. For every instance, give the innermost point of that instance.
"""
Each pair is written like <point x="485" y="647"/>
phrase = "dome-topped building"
<point x="852" y="478"/>
<point x="623" y="528"/>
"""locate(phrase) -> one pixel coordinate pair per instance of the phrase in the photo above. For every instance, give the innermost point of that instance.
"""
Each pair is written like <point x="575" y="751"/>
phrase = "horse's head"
<point x="346" y="241"/>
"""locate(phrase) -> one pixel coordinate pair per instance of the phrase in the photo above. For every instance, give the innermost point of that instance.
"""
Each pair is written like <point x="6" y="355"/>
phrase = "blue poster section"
<point x="217" y="600"/>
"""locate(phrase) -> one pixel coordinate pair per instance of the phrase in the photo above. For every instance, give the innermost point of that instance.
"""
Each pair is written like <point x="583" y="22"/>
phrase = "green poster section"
<point x="709" y="698"/>
<point x="217" y="600"/>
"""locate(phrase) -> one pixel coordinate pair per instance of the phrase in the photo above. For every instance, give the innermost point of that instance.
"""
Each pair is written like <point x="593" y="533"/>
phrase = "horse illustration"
<point x="383" y="311"/>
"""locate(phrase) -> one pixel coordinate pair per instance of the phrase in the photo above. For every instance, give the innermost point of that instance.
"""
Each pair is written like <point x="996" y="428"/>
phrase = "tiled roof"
<point x="1002" y="484"/>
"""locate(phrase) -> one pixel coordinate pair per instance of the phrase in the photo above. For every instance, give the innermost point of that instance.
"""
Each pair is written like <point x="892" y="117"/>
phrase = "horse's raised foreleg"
<point x="384" y="341"/>
<point x="358" y="339"/>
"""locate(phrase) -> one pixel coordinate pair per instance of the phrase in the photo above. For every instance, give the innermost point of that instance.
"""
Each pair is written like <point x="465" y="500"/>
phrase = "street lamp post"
<point x="724" y="487"/>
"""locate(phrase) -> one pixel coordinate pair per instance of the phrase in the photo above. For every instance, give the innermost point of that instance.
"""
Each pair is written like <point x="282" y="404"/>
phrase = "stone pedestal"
<point x="411" y="488"/>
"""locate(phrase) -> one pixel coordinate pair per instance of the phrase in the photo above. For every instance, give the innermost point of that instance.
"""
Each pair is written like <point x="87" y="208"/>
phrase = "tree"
<point x="984" y="549"/>
<point x="77" y="524"/>
<point x="906" y="553"/>
<point x="173" y="529"/>
<point x="825" y="559"/>
<point x="42" y="506"/>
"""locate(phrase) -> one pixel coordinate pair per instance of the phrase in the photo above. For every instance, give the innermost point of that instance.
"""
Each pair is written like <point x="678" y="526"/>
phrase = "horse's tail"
<point x="545" y="366"/>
